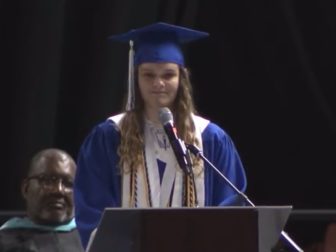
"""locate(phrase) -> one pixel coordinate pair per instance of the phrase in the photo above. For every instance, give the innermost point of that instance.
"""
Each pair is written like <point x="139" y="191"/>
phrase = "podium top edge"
<point x="290" y="207"/>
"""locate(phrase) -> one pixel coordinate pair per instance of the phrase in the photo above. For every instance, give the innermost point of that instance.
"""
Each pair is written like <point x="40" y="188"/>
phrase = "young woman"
<point x="128" y="160"/>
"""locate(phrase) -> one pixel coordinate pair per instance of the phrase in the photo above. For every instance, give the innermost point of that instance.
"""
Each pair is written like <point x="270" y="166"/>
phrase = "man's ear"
<point x="24" y="188"/>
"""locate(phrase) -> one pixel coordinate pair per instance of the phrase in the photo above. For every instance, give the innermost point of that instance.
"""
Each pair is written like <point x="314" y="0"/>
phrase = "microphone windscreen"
<point x="165" y="115"/>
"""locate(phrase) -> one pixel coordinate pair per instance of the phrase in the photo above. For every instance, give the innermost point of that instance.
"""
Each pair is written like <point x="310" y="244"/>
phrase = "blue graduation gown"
<point x="98" y="181"/>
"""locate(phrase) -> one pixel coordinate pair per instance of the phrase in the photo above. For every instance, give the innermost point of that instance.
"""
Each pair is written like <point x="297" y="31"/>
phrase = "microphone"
<point x="179" y="148"/>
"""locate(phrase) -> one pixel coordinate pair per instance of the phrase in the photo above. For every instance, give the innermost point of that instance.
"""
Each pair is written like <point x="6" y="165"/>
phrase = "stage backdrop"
<point x="266" y="74"/>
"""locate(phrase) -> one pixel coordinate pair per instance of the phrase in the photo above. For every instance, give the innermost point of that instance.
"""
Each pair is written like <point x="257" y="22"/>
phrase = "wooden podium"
<point x="207" y="229"/>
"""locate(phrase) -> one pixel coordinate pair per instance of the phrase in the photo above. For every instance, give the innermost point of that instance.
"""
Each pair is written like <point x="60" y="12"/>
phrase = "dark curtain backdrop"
<point x="266" y="74"/>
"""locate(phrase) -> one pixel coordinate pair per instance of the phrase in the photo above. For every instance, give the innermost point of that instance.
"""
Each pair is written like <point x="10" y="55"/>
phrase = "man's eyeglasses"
<point x="50" y="181"/>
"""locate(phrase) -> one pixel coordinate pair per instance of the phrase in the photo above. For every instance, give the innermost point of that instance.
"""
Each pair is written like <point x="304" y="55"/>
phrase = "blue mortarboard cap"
<point x="159" y="42"/>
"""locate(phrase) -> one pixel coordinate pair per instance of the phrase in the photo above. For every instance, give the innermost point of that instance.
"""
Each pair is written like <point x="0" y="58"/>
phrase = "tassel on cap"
<point x="130" y="94"/>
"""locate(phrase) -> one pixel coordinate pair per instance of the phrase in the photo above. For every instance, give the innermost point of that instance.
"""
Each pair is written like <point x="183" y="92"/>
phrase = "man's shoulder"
<point x="12" y="232"/>
<point x="30" y="239"/>
<point x="16" y="240"/>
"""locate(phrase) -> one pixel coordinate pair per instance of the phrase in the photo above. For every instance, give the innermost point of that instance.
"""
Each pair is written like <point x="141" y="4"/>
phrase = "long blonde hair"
<point x="132" y="125"/>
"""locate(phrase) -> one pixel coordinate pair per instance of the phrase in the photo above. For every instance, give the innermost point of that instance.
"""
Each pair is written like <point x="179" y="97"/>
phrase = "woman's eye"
<point x="169" y="76"/>
<point x="148" y="75"/>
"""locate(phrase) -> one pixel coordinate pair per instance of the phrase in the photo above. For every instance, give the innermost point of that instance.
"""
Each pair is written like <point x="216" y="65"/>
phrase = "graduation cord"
<point x="134" y="186"/>
<point x="149" y="192"/>
<point x="133" y="189"/>
<point x="191" y="192"/>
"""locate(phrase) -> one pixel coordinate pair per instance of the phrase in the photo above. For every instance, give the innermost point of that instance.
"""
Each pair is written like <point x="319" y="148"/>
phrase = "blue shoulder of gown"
<point x="97" y="182"/>
<point x="220" y="150"/>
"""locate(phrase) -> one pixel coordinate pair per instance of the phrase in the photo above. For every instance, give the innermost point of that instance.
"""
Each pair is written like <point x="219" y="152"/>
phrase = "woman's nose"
<point x="158" y="82"/>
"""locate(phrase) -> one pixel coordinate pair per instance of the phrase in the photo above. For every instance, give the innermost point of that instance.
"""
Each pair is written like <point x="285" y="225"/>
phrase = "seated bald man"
<point x="48" y="192"/>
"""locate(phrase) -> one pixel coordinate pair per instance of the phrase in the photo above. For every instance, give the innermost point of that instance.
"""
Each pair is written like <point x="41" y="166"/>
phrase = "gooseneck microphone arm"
<point x="198" y="153"/>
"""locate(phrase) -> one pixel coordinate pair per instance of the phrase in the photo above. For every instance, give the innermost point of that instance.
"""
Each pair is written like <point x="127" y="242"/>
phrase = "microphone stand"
<point x="198" y="153"/>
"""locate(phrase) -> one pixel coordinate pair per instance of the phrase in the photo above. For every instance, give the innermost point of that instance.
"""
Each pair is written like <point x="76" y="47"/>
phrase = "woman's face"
<point x="158" y="84"/>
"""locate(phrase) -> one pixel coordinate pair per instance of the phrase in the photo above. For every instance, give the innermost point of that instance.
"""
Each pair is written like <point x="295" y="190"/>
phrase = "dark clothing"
<point x="24" y="240"/>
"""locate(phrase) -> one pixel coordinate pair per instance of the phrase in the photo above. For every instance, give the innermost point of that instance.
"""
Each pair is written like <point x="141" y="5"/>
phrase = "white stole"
<point x="172" y="178"/>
